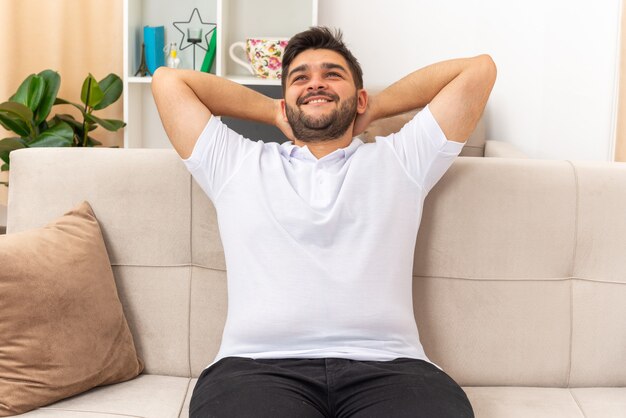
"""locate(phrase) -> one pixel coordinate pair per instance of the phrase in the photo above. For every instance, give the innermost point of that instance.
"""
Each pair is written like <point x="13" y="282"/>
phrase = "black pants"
<point x="239" y="387"/>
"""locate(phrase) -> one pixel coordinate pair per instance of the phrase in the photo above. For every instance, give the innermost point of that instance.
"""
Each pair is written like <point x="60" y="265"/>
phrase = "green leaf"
<point x="10" y="144"/>
<point x="91" y="94"/>
<point x="73" y="122"/>
<point x="69" y="119"/>
<point x="43" y="126"/>
<point x="52" y="81"/>
<point x="59" y="101"/>
<point x="91" y="141"/>
<point x="35" y="92"/>
<point x="61" y="135"/>
<point x="4" y="156"/>
<point x="14" y="124"/>
<point x="17" y="110"/>
<point x="21" y="95"/>
<point x="111" y="86"/>
<point x="108" y="124"/>
<point x="6" y="146"/>
<point x="5" y="167"/>
<point x="18" y="118"/>
<point x="76" y="126"/>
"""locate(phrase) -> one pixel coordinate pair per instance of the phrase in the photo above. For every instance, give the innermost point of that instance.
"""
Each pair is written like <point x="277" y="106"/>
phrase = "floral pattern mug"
<point x="265" y="56"/>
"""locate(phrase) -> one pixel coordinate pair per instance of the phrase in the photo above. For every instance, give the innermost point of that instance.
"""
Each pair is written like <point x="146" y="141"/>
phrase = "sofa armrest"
<point x="502" y="149"/>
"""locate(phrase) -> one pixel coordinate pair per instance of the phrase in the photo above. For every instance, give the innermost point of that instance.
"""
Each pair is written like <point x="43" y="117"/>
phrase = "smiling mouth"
<point x="316" y="99"/>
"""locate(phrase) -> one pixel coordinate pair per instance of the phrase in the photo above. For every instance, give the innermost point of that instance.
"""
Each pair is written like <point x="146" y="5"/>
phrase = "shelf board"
<point x="252" y="80"/>
<point x="147" y="80"/>
<point x="245" y="80"/>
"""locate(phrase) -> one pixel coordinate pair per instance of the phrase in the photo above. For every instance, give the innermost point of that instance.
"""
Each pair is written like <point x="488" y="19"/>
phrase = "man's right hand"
<point x="280" y="121"/>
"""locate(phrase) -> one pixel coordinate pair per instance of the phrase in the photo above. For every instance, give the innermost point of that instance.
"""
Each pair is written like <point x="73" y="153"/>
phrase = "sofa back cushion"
<point x="518" y="275"/>
<point x="474" y="146"/>
<point x="62" y="327"/>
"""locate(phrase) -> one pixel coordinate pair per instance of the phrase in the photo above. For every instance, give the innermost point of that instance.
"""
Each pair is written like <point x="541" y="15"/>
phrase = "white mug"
<point x="264" y="56"/>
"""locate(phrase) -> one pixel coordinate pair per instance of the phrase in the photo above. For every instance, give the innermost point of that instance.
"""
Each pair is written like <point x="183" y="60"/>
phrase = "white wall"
<point x="555" y="96"/>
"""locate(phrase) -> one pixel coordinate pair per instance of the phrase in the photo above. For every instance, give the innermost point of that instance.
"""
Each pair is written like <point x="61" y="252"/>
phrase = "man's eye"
<point x="333" y="74"/>
<point x="300" y="77"/>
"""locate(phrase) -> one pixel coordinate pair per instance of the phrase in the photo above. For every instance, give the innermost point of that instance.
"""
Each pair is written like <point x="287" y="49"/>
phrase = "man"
<point x="319" y="232"/>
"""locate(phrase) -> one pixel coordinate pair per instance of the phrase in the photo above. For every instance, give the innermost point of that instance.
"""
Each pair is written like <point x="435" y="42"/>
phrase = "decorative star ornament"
<point x="194" y="22"/>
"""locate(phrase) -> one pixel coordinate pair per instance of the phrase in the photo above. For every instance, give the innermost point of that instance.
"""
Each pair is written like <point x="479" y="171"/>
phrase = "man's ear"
<point x="284" y="109"/>
<point x="362" y="99"/>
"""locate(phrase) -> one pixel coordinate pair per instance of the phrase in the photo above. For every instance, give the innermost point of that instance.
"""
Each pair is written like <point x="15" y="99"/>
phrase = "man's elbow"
<point x="158" y="77"/>
<point x="487" y="67"/>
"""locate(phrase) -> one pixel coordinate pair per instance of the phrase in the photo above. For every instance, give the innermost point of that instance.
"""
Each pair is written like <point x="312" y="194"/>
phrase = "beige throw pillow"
<point x="62" y="328"/>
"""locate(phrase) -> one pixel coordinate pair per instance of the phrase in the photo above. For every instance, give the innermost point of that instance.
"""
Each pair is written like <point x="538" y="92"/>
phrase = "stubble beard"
<point x="326" y="127"/>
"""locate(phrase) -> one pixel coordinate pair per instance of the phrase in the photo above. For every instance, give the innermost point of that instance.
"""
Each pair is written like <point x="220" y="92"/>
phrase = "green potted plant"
<point x="26" y="114"/>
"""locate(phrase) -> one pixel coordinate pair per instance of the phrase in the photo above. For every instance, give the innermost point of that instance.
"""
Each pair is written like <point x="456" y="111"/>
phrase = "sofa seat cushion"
<point x="146" y="396"/>
<point x="185" y="412"/>
<point x="538" y="402"/>
<point x="154" y="396"/>
<point x="601" y="402"/>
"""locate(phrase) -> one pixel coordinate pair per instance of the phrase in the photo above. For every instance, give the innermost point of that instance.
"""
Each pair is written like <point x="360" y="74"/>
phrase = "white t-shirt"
<point x="319" y="253"/>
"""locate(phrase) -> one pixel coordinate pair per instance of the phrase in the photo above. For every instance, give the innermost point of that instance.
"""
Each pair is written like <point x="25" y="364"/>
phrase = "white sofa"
<point x="529" y="317"/>
<point x="477" y="145"/>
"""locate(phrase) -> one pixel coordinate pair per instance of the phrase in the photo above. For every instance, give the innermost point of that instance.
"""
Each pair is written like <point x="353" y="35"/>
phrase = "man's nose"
<point x="317" y="83"/>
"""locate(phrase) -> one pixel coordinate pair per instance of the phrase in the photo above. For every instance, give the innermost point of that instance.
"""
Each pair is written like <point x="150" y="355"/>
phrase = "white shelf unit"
<point x="235" y="19"/>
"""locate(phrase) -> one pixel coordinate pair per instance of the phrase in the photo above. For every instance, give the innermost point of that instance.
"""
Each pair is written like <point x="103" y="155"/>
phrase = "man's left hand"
<point x="364" y="119"/>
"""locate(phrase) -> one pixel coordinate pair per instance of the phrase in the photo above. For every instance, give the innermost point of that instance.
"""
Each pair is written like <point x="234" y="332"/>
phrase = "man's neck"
<point x="323" y="148"/>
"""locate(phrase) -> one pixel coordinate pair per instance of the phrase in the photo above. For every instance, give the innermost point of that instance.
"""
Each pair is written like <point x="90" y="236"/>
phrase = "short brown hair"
<point x="320" y="37"/>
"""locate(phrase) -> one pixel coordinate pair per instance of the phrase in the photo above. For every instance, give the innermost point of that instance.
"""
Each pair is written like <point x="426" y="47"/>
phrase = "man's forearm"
<point x="420" y="87"/>
<point x="224" y="97"/>
<point x="186" y="100"/>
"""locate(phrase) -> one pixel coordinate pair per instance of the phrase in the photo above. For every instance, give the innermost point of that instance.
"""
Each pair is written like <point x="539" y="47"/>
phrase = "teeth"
<point x="319" y="101"/>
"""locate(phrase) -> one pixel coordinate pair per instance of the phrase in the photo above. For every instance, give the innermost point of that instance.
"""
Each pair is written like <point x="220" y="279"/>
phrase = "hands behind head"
<point x="364" y="119"/>
<point x="280" y="121"/>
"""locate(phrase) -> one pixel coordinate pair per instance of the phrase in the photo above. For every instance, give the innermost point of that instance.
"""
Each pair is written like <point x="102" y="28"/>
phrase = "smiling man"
<point x="319" y="232"/>
<point x="319" y="115"/>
